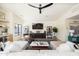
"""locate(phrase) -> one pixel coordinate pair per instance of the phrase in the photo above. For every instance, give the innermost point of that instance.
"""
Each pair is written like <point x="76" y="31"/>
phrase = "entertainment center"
<point x="38" y="35"/>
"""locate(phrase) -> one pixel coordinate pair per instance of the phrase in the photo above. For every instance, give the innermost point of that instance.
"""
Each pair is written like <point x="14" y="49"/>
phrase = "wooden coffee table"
<point x="39" y="45"/>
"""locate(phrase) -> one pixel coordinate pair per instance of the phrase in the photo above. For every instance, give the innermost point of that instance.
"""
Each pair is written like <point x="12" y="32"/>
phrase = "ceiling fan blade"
<point x="40" y="11"/>
<point x="33" y="6"/>
<point x="47" y="5"/>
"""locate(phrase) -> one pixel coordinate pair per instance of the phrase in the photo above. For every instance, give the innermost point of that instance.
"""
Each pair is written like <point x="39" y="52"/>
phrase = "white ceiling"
<point x="26" y="12"/>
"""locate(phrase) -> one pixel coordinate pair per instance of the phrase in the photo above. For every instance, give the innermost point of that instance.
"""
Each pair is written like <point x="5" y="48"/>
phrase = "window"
<point x="18" y="29"/>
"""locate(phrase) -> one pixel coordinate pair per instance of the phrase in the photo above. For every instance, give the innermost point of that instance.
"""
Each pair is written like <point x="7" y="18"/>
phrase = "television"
<point x="37" y="26"/>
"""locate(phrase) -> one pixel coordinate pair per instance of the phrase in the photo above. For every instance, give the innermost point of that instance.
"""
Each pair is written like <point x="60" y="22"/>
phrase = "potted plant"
<point x="55" y="30"/>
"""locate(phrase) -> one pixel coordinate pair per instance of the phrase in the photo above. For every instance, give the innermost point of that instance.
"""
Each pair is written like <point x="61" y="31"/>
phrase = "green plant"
<point x="55" y="30"/>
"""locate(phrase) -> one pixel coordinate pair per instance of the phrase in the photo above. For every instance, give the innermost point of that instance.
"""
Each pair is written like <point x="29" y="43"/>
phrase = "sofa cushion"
<point x="15" y="46"/>
<point x="55" y="44"/>
<point x="66" y="47"/>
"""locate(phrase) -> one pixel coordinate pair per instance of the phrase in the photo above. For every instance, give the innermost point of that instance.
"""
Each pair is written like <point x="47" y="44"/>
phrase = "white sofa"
<point x="64" y="49"/>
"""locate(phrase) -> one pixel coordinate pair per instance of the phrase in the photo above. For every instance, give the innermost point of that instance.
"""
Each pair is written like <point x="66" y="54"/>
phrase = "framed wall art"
<point x="26" y="30"/>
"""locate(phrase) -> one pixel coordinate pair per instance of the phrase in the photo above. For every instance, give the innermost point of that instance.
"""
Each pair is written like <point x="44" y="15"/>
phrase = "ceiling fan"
<point x="41" y="7"/>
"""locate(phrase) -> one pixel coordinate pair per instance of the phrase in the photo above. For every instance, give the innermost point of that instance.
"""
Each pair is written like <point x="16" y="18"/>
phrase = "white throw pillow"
<point x="1" y="45"/>
<point x="66" y="47"/>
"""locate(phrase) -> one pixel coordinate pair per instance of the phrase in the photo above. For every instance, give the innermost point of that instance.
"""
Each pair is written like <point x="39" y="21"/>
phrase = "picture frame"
<point x="26" y="30"/>
<point x="49" y="28"/>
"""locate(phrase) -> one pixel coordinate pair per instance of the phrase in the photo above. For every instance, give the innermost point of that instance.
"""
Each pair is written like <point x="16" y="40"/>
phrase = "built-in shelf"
<point x="4" y="21"/>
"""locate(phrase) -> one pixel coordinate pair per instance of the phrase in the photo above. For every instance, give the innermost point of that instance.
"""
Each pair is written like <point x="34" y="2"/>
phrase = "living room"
<point x="28" y="22"/>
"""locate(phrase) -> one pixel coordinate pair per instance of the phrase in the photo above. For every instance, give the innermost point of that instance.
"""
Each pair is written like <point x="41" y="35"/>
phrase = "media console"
<point x="38" y="35"/>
